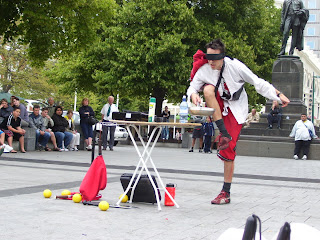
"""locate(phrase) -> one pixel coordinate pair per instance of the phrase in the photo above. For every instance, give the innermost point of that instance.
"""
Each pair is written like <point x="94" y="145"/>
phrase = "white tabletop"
<point x="169" y="124"/>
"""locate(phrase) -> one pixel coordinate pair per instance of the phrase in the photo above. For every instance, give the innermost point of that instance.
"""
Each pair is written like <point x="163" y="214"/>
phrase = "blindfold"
<point x="215" y="56"/>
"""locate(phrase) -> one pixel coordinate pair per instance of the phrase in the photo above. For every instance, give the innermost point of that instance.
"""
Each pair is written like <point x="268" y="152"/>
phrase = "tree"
<point x="18" y="77"/>
<point x="146" y="52"/>
<point x="148" y="48"/>
<point x="53" y="27"/>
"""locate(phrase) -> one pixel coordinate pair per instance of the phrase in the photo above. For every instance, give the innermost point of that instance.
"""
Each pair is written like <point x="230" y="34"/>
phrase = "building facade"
<point x="312" y="30"/>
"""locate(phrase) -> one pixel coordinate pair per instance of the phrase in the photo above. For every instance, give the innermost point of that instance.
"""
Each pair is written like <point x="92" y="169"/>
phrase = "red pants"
<point x="234" y="129"/>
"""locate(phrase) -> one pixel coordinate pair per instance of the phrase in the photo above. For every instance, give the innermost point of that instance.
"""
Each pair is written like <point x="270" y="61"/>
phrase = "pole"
<point x="312" y="115"/>
<point x="75" y="101"/>
<point x="313" y="79"/>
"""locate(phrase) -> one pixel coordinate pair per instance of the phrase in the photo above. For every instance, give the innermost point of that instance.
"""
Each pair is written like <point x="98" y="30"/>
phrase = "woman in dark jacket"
<point x="59" y="129"/>
<point x="85" y="112"/>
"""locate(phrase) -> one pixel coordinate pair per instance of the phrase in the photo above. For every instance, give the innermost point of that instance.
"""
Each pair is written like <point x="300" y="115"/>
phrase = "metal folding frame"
<point x="143" y="159"/>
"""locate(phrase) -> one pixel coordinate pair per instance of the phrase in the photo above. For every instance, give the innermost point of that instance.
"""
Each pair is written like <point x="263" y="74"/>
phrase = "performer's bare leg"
<point x="228" y="171"/>
<point x="212" y="102"/>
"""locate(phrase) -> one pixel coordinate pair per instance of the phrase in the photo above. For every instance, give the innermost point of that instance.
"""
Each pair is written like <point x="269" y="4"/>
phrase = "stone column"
<point x="287" y="77"/>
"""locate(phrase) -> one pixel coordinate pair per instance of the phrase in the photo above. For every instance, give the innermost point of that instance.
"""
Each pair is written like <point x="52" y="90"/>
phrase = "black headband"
<point x="215" y="56"/>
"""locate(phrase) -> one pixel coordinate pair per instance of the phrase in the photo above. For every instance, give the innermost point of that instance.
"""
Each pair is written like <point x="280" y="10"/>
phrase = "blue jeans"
<point x="165" y="133"/>
<point x="63" y="136"/>
<point x="42" y="139"/>
<point x="86" y="130"/>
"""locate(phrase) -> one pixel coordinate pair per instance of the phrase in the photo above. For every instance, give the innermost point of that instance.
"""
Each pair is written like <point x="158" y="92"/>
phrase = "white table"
<point x="145" y="156"/>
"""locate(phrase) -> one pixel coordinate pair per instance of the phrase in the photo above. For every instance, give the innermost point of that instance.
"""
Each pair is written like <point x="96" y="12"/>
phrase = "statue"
<point x="293" y="17"/>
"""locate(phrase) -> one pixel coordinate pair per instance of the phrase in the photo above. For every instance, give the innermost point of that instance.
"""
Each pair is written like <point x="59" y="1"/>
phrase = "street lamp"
<point x="314" y="76"/>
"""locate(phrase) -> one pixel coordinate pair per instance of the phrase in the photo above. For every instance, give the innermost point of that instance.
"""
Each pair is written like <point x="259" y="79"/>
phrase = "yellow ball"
<point x="124" y="199"/>
<point x="104" y="206"/>
<point x="47" y="193"/>
<point x="65" y="193"/>
<point x="77" y="198"/>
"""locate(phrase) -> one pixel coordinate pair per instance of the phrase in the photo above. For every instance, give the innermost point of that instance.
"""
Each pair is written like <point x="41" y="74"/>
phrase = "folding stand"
<point x="145" y="156"/>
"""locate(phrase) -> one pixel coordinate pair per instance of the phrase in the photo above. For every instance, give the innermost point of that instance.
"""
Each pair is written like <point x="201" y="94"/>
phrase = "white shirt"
<point x="235" y="75"/>
<point x="300" y="130"/>
<point x="105" y="108"/>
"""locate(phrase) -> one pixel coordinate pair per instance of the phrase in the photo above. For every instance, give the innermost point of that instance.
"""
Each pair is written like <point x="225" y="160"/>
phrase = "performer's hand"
<point x="195" y="99"/>
<point x="285" y="101"/>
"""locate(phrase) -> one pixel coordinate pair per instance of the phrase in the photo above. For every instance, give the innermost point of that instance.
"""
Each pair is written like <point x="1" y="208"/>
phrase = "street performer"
<point x="222" y="80"/>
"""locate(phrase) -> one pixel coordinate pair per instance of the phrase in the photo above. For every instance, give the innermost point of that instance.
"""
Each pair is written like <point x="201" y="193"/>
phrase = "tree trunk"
<point x="159" y="95"/>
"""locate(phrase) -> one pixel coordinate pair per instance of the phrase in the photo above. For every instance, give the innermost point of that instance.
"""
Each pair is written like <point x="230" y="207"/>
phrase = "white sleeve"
<point x="262" y="86"/>
<point x="294" y="129"/>
<point x="203" y="76"/>
<point x="103" y="110"/>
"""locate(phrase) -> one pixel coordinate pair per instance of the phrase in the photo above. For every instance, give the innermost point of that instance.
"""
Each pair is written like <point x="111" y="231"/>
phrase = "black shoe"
<point x="111" y="149"/>
<point x="104" y="148"/>
<point x="279" y="128"/>
<point x="191" y="150"/>
<point x="200" y="150"/>
<point x="270" y="127"/>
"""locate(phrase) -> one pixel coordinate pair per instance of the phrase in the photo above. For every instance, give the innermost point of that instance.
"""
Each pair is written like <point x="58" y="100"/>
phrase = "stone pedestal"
<point x="287" y="77"/>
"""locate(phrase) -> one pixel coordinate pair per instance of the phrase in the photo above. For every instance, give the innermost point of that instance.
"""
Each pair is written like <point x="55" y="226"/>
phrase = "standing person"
<point x="197" y="133"/>
<point x="303" y="132"/>
<point x="293" y="17"/>
<point x="85" y="112"/>
<point x="165" y="115"/>
<point x="208" y="132"/>
<point x="71" y="128"/>
<point x="11" y="125"/>
<point x="5" y="109"/>
<point x="222" y="80"/>
<point x="59" y="129"/>
<point x="275" y="115"/>
<point x="48" y="123"/>
<point x="23" y="112"/>
<point x="106" y="115"/>
<point x="36" y="122"/>
<point x="51" y="107"/>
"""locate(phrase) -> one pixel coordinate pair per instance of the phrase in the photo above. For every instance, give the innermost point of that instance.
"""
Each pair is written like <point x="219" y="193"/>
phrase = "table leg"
<point x="144" y="166"/>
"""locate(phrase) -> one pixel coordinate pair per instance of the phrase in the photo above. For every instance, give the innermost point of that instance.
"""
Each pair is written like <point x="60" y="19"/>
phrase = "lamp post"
<point x="314" y="76"/>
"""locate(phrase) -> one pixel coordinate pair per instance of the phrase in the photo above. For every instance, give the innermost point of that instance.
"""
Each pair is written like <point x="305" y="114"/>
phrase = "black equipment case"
<point x="144" y="191"/>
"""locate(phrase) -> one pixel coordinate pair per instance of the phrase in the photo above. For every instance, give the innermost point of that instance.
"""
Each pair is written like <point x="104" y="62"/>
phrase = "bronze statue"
<point x="293" y="17"/>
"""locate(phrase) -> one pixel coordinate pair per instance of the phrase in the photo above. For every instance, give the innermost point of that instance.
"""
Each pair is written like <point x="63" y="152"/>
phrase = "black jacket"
<point x="60" y="123"/>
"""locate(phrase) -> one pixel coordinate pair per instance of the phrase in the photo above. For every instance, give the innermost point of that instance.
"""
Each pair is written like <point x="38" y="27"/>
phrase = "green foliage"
<point x="53" y="27"/>
<point x="147" y="49"/>
<point x="19" y="77"/>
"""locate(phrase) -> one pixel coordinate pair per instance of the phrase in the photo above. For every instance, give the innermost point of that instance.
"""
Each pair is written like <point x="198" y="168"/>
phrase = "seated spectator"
<point x="71" y="128"/>
<point x="4" y="147"/>
<point x="5" y="109"/>
<point x="303" y="132"/>
<point x="36" y="122"/>
<point x="275" y="115"/>
<point x="11" y="125"/>
<point x="48" y="122"/>
<point x="23" y="112"/>
<point x="252" y="117"/>
<point x="11" y="100"/>
<point x="59" y="129"/>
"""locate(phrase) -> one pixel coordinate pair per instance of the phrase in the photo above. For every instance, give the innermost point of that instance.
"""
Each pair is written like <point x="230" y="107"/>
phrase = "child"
<point x="208" y="130"/>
